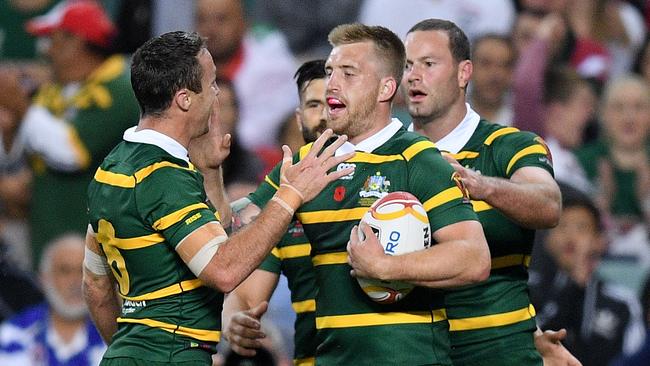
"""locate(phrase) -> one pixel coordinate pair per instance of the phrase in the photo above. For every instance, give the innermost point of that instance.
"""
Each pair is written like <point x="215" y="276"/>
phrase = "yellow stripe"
<point x="494" y="320"/>
<point x="275" y="252"/>
<point x="510" y="261"/>
<point x="114" y="179"/>
<point x="82" y="153"/>
<point x="176" y="216"/>
<point x="363" y="157"/>
<point x="141" y="174"/>
<point x="497" y="133"/>
<point x="137" y="242"/>
<point x="304" y="150"/>
<point x="200" y="334"/>
<point x="330" y="258"/>
<point x="295" y="251"/>
<point x="480" y="206"/>
<point x="535" y="149"/>
<point x="465" y="155"/>
<point x="374" y="319"/>
<point x="270" y="182"/>
<point x="310" y="361"/>
<point x="304" y="306"/>
<point x="174" y="289"/>
<point x="327" y="216"/>
<point x="443" y="197"/>
<point x="416" y="148"/>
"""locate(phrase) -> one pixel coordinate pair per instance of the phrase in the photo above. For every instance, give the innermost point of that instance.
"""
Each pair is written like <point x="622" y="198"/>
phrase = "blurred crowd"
<point x="576" y="72"/>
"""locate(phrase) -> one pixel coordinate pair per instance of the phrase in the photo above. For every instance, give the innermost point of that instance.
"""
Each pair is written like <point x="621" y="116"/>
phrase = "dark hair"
<point x="164" y="65"/>
<point x="388" y="45"/>
<point x="495" y="37"/>
<point x="308" y="71"/>
<point x="572" y="197"/>
<point x="561" y="83"/>
<point x="458" y="42"/>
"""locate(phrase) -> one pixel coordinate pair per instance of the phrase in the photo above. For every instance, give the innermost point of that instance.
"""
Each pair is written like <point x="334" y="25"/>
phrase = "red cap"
<point x="86" y="19"/>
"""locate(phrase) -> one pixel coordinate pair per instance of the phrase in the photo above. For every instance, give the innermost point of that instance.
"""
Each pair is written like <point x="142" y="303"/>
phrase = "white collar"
<point x="372" y="142"/>
<point x="459" y="136"/>
<point x="152" y="137"/>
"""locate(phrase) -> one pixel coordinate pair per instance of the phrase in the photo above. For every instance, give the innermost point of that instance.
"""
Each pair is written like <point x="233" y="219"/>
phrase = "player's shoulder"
<point x="494" y="135"/>
<point x="410" y="145"/>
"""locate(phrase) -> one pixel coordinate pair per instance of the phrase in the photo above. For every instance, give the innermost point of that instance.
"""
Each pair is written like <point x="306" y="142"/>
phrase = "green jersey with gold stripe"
<point x="351" y="328"/>
<point x="291" y="257"/>
<point x="142" y="203"/>
<point x="499" y="306"/>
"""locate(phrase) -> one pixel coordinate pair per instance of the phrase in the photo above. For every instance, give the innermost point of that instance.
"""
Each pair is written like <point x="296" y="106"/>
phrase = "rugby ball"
<point x="401" y="224"/>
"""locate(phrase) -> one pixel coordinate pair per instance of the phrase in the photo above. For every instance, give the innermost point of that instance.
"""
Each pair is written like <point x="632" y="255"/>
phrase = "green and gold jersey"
<point x="291" y="257"/>
<point x="499" y="306"/>
<point x="141" y="203"/>
<point x="351" y="328"/>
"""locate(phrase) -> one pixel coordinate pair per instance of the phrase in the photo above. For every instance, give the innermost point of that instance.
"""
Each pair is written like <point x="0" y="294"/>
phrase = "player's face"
<point x="352" y="88"/>
<point x="627" y="116"/>
<point x="312" y="114"/>
<point x="431" y="77"/>
<point x="206" y="100"/>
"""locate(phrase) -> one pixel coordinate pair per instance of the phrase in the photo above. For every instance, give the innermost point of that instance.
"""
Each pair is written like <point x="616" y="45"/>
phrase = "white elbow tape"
<point x="95" y="263"/>
<point x="205" y="254"/>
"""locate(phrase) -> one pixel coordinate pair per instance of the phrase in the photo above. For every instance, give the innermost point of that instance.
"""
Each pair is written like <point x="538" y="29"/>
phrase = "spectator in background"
<point x="642" y="63"/>
<point x="489" y="92"/>
<point x="18" y="288"/>
<point x="601" y="320"/>
<point x="73" y="122"/>
<point x="58" y="332"/>
<point x="259" y="64"/>
<point x="15" y="43"/>
<point x="641" y="357"/>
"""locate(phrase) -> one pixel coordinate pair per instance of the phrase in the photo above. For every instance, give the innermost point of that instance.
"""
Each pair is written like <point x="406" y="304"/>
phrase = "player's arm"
<point x="99" y="289"/>
<point x="223" y="262"/>
<point x="461" y="257"/>
<point x="243" y="308"/>
<point x="549" y="345"/>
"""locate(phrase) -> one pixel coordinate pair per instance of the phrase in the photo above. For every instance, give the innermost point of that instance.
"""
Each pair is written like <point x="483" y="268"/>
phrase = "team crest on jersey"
<point x="459" y="183"/>
<point x="549" y="157"/>
<point x="375" y="187"/>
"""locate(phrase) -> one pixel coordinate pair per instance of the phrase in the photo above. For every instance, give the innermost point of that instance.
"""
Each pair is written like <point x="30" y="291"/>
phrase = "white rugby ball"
<point x="400" y="222"/>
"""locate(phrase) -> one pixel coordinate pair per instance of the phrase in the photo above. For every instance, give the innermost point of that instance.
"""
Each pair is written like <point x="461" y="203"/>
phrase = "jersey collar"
<point x="374" y="141"/>
<point x="151" y="137"/>
<point x="459" y="136"/>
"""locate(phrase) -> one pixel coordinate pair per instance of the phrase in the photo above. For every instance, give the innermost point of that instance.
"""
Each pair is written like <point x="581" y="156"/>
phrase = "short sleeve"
<point x="521" y="149"/>
<point x="272" y="263"/>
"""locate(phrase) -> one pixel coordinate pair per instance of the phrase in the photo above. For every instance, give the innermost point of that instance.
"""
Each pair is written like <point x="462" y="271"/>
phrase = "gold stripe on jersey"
<point x="480" y="206"/>
<point x="416" y="148"/>
<point x="511" y="261"/>
<point x="141" y="174"/>
<point x="270" y="182"/>
<point x="443" y="197"/>
<point x="373" y="319"/>
<point x="176" y="216"/>
<point x="498" y="133"/>
<point x="327" y="216"/>
<point x="364" y="157"/>
<point x="304" y="150"/>
<point x="330" y="258"/>
<point x="174" y="289"/>
<point x="106" y="236"/>
<point x="294" y="251"/>
<point x="309" y="361"/>
<point x="534" y="149"/>
<point x="465" y="155"/>
<point x="200" y="334"/>
<point x="129" y="181"/>
<point x="494" y="320"/>
<point x="304" y="306"/>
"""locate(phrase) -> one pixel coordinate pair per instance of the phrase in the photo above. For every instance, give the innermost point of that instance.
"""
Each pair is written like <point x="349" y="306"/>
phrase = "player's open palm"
<point x="310" y="175"/>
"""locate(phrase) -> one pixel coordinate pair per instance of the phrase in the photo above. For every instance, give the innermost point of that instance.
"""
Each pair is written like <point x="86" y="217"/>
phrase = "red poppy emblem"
<point x="339" y="193"/>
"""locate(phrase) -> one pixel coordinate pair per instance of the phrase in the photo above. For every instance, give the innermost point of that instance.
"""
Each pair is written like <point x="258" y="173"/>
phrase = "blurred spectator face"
<point x="493" y="61"/>
<point x="312" y="114"/>
<point x="61" y="276"/>
<point x="62" y="49"/>
<point x="547" y="6"/>
<point x="525" y="30"/>
<point x="626" y="113"/>
<point x="431" y="75"/>
<point x="222" y="23"/>
<point x="576" y="242"/>
<point x="572" y="115"/>
<point x="228" y="113"/>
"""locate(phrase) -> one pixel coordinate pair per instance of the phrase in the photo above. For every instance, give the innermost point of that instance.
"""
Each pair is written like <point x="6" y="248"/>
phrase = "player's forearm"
<point x="103" y="304"/>
<point x="531" y="205"/>
<point x="216" y="192"/>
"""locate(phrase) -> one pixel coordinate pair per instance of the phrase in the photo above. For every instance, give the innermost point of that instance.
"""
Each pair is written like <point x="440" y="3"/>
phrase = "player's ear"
<point x="465" y="69"/>
<point x="183" y="99"/>
<point x="387" y="89"/>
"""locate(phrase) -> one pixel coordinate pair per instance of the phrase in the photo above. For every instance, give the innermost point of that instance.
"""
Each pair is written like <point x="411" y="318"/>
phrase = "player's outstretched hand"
<point x="244" y="330"/>
<point x="549" y="345"/>
<point x="310" y="175"/>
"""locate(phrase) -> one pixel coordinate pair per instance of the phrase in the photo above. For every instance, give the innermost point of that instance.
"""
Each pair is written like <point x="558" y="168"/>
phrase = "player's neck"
<point x="441" y="126"/>
<point x="167" y="125"/>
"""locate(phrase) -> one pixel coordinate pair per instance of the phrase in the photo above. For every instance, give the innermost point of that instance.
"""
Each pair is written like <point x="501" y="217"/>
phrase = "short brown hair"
<point x="389" y="47"/>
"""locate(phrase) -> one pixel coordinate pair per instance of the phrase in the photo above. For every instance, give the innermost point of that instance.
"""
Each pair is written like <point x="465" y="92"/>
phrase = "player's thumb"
<point x="259" y="310"/>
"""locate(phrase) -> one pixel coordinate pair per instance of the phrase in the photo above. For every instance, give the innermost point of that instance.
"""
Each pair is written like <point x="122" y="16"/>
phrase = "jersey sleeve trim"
<point x="534" y="149"/>
<point x="268" y="180"/>
<point x="443" y="197"/>
<point x="498" y="133"/>
<point x="106" y="236"/>
<point x="511" y="261"/>
<point x="416" y="148"/>
<point x="200" y="334"/>
<point x="304" y="306"/>
<point x="465" y="155"/>
<point x="174" y="289"/>
<point x="479" y="206"/>
<point x="174" y="217"/>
